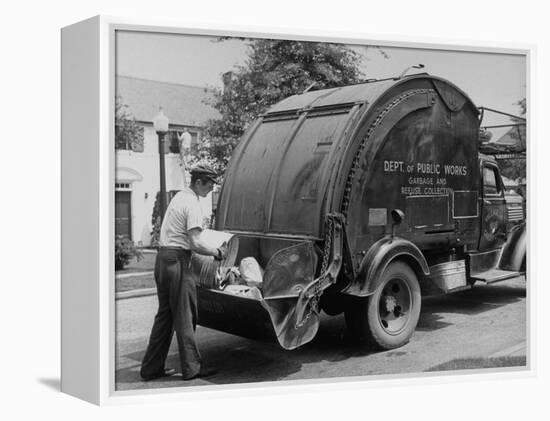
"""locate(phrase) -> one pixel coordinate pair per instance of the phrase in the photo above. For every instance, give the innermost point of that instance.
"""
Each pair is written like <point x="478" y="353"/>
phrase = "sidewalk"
<point x="513" y="356"/>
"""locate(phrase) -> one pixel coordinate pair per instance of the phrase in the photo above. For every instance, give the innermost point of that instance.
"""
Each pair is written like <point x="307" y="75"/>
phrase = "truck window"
<point x="490" y="183"/>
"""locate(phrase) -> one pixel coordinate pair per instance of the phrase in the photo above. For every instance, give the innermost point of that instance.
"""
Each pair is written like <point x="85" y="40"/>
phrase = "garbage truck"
<point x="360" y="200"/>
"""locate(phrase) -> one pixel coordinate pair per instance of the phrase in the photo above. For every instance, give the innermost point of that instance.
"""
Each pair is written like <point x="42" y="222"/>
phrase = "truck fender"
<point x="514" y="252"/>
<point x="377" y="259"/>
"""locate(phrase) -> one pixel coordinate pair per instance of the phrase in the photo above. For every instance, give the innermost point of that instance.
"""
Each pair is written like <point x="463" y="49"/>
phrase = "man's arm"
<point x="198" y="245"/>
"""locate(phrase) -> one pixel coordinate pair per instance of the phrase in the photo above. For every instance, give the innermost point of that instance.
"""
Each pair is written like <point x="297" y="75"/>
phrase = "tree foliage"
<point x="125" y="250"/>
<point x="128" y="134"/>
<point x="516" y="168"/>
<point x="275" y="69"/>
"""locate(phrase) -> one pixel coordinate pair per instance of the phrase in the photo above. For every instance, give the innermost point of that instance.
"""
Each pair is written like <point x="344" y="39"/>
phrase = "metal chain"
<point x="314" y="302"/>
<point x="362" y="145"/>
<point x="328" y="245"/>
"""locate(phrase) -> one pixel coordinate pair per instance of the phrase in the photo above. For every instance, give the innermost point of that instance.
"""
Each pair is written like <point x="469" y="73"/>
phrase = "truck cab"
<point x="493" y="205"/>
<point x="515" y="209"/>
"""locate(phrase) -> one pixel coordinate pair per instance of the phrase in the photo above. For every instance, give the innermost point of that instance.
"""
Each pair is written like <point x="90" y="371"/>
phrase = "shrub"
<point x="125" y="250"/>
<point x="156" y="222"/>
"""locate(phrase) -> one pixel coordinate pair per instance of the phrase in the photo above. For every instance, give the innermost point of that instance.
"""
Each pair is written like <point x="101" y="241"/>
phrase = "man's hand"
<point x="222" y="251"/>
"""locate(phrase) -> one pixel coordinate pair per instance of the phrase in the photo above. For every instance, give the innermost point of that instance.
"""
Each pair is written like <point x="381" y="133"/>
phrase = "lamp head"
<point x="161" y="122"/>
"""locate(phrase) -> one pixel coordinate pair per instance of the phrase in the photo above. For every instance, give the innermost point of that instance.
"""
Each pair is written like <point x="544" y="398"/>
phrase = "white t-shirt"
<point x="183" y="214"/>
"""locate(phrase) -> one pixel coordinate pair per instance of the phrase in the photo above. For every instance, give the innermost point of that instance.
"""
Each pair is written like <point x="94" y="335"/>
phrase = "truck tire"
<point x="387" y="319"/>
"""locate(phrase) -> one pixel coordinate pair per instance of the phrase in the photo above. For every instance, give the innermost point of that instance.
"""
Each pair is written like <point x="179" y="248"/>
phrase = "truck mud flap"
<point x="264" y="319"/>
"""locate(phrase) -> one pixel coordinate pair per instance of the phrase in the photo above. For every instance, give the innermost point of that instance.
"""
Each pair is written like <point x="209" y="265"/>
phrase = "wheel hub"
<point x="394" y="306"/>
<point x="390" y="302"/>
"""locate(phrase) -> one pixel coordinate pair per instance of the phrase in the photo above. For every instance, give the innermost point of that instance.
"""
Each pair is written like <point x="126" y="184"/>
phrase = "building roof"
<point x="516" y="137"/>
<point x="183" y="104"/>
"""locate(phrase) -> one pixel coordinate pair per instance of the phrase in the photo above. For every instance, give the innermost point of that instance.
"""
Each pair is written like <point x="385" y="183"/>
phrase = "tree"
<point x="275" y="69"/>
<point x="128" y="134"/>
<point x="516" y="168"/>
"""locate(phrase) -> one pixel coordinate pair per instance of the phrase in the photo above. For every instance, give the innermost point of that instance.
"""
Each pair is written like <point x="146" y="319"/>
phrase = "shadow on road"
<point x="241" y="360"/>
<point x="469" y="302"/>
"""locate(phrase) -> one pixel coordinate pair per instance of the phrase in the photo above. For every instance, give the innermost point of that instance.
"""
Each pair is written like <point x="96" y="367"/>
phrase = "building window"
<point x="171" y="194"/>
<point x="138" y="144"/>
<point x="122" y="186"/>
<point x="129" y="137"/>
<point x="173" y="143"/>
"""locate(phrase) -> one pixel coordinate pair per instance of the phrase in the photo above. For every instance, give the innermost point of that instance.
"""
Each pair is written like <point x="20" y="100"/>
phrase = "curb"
<point x="144" y="292"/>
<point x="130" y="274"/>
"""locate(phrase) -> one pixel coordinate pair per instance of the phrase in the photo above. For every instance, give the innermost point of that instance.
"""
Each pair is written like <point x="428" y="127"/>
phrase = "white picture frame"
<point x="88" y="174"/>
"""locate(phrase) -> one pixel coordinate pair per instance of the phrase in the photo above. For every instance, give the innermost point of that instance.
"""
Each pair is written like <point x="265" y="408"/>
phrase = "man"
<point x="180" y="234"/>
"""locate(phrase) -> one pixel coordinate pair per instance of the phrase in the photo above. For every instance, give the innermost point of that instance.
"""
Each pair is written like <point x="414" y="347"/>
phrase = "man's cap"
<point x="205" y="171"/>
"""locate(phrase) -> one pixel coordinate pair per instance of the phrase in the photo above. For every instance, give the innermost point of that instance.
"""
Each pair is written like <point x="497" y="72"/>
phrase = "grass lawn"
<point x="128" y="283"/>
<point x="134" y="282"/>
<point x="473" y="363"/>
<point x="145" y="264"/>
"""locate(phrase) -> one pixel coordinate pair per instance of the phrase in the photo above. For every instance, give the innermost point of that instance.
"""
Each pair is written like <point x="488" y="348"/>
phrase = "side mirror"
<point x="397" y="215"/>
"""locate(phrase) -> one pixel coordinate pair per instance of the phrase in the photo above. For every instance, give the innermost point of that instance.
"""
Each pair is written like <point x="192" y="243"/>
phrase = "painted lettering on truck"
<point x="428" y="178"/>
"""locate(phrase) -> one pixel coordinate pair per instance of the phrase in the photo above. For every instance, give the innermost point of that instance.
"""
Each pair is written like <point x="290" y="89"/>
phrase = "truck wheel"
<point x="388" y="318"/>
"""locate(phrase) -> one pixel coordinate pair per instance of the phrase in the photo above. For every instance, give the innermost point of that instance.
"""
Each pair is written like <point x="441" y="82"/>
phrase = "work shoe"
<point x="167" y="372"/>
<point x="204" y="372"/>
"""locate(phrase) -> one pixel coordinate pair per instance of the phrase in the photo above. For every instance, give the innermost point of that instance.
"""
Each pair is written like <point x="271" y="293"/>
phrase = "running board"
<point x="494" y="275"/>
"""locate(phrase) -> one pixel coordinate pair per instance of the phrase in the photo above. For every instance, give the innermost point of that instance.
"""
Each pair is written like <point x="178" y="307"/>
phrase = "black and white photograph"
<point x="285" y="210"/>
<point x="301" y="209"/>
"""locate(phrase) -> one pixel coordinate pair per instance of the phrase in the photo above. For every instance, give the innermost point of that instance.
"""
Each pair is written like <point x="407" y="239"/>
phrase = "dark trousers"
<point x="177" y="296"/>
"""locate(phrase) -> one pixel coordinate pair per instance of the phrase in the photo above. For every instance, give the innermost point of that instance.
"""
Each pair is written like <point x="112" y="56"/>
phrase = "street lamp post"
<point x="160" y="123"/>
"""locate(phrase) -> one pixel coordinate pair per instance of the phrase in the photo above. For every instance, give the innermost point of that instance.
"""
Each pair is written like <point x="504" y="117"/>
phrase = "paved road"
<point x="476" y="323"/>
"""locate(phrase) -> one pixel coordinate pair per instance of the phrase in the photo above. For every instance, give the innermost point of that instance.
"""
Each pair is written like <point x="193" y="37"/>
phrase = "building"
<point x="513" y="146"/>
<point x="137" y="178"/>
<point x="515" y="137"/>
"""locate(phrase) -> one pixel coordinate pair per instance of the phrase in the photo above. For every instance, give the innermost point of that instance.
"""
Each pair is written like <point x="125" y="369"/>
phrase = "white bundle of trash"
<point x="245" y="280"/>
